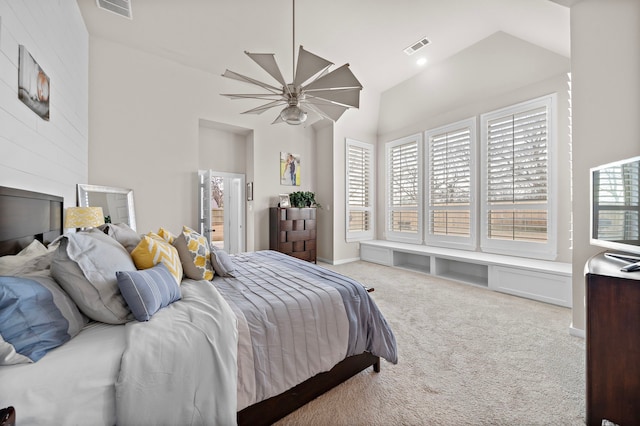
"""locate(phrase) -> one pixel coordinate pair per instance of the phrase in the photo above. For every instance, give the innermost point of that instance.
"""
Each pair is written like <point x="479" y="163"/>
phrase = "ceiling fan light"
<point x="293" y="115"/>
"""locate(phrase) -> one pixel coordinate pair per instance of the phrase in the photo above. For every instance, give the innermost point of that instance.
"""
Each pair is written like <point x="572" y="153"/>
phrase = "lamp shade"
<point x="83" y="217"/>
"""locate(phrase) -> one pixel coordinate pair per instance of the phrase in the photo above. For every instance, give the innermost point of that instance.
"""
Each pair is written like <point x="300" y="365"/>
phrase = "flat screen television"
<point x="615" y="206"/>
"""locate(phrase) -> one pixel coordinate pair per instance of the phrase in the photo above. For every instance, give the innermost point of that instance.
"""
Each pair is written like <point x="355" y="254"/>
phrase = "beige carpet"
<point x="467" y="356"/>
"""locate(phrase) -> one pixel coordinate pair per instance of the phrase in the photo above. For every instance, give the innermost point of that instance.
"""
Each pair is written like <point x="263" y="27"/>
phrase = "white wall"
<point x="360" y="125"/>
<point x="38" y="155"/>
<point x="324" y="147"/>
<point x="605" y="63"/>
<point x="145" y="120"/>
<point x="496" y="72"/>
<point x="222" y="149"/>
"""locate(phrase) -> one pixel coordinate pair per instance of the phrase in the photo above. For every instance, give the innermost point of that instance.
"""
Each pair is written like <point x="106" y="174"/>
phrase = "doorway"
<point x="222" y="209"/>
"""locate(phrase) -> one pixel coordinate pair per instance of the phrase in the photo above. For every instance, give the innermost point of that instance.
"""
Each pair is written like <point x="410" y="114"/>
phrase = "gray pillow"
<point x="221" y="261"/>
<point x="85" y="266"/>
<point x="122" y="233"/>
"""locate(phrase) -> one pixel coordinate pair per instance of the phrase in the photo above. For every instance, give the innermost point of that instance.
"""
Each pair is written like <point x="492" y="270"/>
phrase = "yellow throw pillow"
<point x="166" y="235"/>
<point x="195" y="254"/>
<point x="152" y="250"/>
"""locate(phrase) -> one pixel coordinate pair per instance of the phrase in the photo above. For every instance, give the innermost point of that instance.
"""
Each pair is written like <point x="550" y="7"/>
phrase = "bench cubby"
<point x="540" y="280"/>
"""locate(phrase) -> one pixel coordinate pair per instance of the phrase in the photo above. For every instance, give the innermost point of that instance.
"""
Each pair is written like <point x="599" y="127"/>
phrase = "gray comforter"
<point x="301" y="320"/>
<point x="279" y="322"/>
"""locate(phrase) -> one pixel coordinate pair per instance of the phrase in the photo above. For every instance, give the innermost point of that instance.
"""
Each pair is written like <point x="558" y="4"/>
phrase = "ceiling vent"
<point x="119" y="7"/>
<point x="416" y="46"/>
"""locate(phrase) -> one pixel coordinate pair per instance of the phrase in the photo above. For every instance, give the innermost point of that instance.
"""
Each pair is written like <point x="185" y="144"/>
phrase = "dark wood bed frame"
<point x="270" y="410"/>
<point x="26" y="216"/>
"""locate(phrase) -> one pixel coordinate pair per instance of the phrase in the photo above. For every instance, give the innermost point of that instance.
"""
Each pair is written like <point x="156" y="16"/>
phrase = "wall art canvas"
<point x="33" y="84"/>
<point x="289" y="169"/>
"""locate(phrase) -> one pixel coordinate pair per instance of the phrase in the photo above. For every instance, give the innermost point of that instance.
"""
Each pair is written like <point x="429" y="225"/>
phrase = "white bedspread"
<point x="72" y="385"/>
<point x="180" y="367"/>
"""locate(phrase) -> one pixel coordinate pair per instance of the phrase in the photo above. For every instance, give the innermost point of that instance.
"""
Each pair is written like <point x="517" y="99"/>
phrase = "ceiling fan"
<point x="314" y="90"/>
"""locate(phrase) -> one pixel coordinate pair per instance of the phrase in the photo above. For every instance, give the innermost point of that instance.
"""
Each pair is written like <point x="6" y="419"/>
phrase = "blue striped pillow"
<point x="149" y="290"/>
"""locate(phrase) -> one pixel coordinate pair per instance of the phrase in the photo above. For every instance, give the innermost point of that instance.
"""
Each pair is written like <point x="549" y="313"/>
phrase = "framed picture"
<point x="250" y="191"/>
<point x="284" y="200"/>
<point x="289" y="169"/>
<point x="33" y="84"/>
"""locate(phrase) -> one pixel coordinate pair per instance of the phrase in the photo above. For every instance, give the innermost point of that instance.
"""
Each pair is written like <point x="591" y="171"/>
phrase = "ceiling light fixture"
<point x="314" y="91"/>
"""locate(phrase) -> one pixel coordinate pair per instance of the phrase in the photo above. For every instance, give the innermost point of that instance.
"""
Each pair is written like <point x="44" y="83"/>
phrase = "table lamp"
<point x="83" y="217"/>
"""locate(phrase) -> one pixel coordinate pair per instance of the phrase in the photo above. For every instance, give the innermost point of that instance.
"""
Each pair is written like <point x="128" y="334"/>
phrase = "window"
<point x="518" y="214"/>
<point x="360" y="184"/>
<point x="616" y="202"/>
<point x="404" y="190"/>
<point x="451" y="185"/>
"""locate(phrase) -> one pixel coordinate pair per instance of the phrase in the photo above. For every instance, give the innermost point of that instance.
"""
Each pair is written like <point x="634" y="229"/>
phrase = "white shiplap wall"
<point x="38" y="155"/>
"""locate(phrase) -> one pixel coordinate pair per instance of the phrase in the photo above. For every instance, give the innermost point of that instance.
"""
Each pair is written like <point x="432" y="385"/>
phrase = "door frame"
<point x="234" y="217"/>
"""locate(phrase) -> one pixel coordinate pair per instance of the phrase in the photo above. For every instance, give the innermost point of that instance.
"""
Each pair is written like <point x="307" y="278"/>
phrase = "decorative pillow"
<point x="35" y="317"/>
<point x="85" y="266"/>
<point x="148" y="291"/>
<point x="122" y="233"/>
<point x="193" y="249"/>
<point x="40" y="263"/>
<point x="9" y="263"/>
<point x="222" y="262"/>
<point x="166" y="235"/>
<point x="153" y="250"/>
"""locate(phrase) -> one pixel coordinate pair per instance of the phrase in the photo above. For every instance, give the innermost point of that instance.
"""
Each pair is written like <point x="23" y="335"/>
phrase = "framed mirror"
<point x="116" y="203"/>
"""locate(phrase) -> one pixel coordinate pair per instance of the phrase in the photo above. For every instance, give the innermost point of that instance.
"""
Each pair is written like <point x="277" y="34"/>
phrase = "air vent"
<point x="416" y="46"/>
<point x="119" y="7"/>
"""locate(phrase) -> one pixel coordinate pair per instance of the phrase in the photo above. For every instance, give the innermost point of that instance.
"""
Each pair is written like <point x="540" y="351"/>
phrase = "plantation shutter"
<point x="450" y="182"/>
<point x="403" y="216"/>
<point x="359" y="190"/>
<point x="517" y="166"/>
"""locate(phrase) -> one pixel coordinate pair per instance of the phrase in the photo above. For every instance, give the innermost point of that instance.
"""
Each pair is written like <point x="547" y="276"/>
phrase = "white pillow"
<point x="10" y="263"/>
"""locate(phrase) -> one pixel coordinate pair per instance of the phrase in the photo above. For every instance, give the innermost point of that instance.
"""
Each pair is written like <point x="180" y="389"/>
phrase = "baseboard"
<point x="338" y="262"/>
<point x="577" y="332"/>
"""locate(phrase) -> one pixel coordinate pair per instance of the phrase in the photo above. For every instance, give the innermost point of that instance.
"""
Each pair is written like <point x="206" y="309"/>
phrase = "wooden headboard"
<point x="26" y="216"/>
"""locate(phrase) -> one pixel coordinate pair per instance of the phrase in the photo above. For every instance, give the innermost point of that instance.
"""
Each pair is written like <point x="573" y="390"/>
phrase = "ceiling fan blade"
<point x="308" y="65"/>
<point x="265" y="96"/>
<point x="315" y="113"/>
<point x="267" y="62"/>
<point x="326" y="109"/>
<point x="344" y="97"/>
<point x="235" y="76"/>
<point x="318" y="113"/>
<point x="263" y="108"/>
<point x="278" y="120"/>
<point x="340" y="78"/>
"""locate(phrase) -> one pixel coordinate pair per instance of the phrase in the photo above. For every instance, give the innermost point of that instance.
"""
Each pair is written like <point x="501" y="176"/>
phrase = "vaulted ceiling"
<point x="370" y="35"/>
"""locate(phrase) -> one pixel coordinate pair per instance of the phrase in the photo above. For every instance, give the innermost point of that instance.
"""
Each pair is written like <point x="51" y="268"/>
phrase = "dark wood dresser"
<point x="613" y="342"/>
<point x="293" y="231"/>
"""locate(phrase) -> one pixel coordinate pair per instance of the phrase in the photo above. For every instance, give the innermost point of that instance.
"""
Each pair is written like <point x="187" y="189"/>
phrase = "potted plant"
<point x="303" y="199"/>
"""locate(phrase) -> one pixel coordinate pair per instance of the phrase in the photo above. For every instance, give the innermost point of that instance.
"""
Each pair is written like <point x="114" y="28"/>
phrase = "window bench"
<point x="541" y="280"/>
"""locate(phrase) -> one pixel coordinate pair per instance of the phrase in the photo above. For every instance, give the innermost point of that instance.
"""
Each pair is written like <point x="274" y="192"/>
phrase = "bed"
<point x="258" y="341"/>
